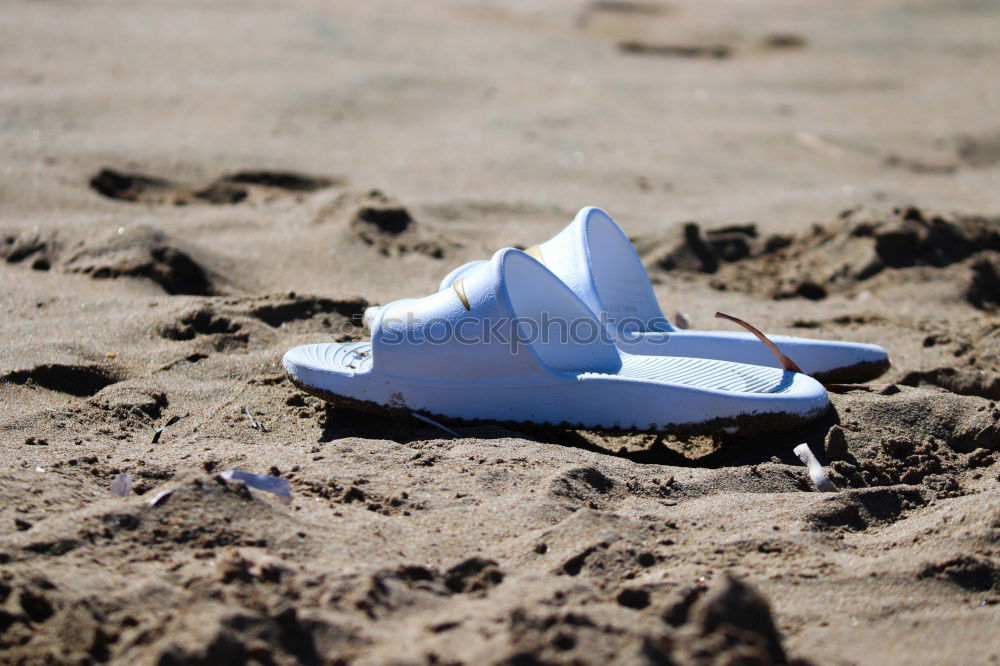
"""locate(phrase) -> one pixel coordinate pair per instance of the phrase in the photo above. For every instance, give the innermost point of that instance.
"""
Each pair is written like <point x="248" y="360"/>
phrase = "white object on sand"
<point x="816" y="471"/>
<point x="160" y="497"/>
<point x="122" y="485"/>
<point x="268" y="484"/>
<point x="510" y="341"/>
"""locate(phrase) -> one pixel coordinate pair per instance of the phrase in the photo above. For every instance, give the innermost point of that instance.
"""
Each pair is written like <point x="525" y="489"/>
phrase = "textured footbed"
<point x="706" y="374"/>
<point x="356" y="358"/>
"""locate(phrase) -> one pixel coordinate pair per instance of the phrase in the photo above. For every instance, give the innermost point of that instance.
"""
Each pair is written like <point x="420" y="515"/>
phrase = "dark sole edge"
<point x="858" y="373"/>
<point x="745" y="425"/>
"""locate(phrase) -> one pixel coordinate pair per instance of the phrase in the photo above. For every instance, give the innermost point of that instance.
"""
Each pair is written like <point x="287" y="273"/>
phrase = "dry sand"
<point x="189" y="189"/>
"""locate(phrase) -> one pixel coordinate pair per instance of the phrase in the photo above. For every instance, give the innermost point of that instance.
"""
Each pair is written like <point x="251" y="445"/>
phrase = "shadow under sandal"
<point x="475" y="352"/>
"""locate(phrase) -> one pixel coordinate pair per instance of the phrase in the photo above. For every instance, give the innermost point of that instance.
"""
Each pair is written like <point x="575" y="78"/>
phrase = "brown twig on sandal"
<point x="790" y="365"/>
<point x="785" y="362"/>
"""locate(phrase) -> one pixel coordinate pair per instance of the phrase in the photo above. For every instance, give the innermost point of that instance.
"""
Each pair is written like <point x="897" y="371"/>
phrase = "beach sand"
<point x="191" y="189"/>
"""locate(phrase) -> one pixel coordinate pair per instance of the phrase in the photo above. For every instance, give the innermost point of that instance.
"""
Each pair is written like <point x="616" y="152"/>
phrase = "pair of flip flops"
<point x="570" y="333"/>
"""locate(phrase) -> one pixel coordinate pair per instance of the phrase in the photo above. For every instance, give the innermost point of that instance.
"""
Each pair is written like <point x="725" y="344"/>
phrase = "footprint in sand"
<point x="130" y="401"/>
<point x="145" y="252"/>
<point x="641" y="28"/>
<point x="716" y="51"/>
<point x="379" y="222"/>
<point x="218" y="332"/>
<point x="710" y="48"/>
<point x="79" y="379"/>
<point x="137" y="252"/>
<point x="656" y="29"/>
<point x="235" y="188"/>
<point x="307" y="312"/>
<point x="32" y="247"/>
<point x="224" y="324"/>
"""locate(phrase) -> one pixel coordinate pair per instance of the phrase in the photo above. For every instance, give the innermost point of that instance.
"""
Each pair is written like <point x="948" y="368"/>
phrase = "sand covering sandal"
<point x="476" y="351"/>
<point x="599" y="263"/>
